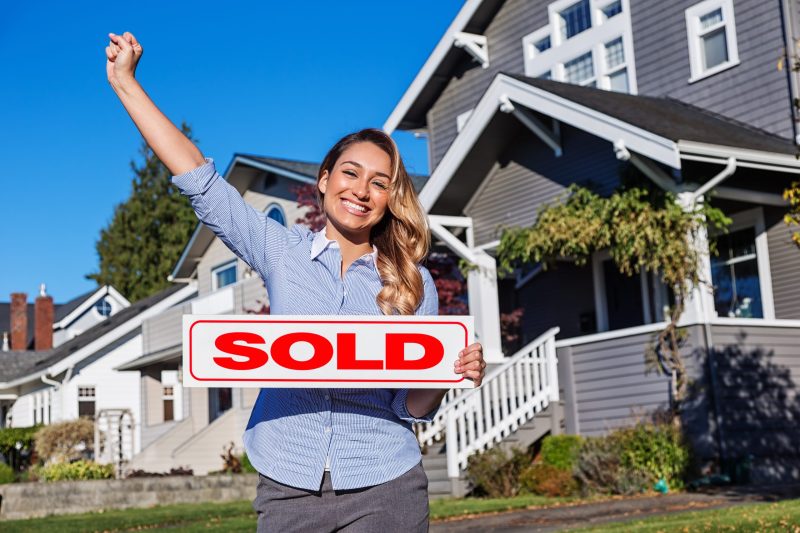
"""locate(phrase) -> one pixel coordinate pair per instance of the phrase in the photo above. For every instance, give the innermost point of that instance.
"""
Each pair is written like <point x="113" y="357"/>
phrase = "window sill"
<point x="716" y="70"/>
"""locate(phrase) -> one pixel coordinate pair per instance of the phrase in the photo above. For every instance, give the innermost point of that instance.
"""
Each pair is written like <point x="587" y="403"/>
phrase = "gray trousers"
<point x="398" y="505"/>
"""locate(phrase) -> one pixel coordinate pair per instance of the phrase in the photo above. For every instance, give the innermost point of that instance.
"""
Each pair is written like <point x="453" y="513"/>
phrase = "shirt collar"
<point x="321" y="242"/>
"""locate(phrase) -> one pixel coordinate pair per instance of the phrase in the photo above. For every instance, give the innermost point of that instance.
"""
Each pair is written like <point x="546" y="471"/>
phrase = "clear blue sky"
<point x="272" y="78"/>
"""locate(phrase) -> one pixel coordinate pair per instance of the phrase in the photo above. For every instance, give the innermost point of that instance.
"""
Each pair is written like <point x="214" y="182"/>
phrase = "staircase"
<point x="500" y="412"/>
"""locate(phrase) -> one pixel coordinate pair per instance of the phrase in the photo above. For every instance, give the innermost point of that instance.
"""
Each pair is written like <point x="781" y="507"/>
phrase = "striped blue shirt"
<point x="363" y="436"/>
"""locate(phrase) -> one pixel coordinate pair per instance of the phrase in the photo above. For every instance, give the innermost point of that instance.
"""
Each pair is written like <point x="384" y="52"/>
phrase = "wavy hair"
<point x="402" y="237"/>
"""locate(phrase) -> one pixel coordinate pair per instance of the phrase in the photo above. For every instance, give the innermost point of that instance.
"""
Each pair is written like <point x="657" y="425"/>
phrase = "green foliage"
<point x="6" y="474"/>
<point x="548" y="480"/>
<point x="656" y="449"/>
<point x="65" y="441"/>
<point x="495" y="474"/>
<point x="148" y="232"/>
<point x="792" y="218"/>
<point x="247" y="466"/>
<point x="600" y="469"/>
<point x="77" y="471"/>
<point x="561" y="451"/>
<point x="16" y="445"/>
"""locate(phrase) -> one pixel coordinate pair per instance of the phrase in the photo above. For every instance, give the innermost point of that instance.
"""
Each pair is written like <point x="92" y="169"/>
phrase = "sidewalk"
<point x="557" y="518"/>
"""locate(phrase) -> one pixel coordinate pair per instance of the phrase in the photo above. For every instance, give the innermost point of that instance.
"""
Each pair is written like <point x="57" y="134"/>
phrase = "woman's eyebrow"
<point x="359" y="165"/>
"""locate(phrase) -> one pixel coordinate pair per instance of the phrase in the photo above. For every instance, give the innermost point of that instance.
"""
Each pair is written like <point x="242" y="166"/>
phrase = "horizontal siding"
<point x="164" y="330"/>
<point x="754" y="92"/>
<point x="784" y="258"/>
<point x="514" y="20"/>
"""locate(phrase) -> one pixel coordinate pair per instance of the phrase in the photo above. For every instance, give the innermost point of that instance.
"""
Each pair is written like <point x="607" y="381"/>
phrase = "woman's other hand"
<point x="122" y="53"/>
<point x="470" y="363"/>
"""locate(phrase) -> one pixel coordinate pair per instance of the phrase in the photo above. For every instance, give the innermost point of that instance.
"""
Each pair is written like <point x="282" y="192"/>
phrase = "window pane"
<point x="708" y="20"/>
<point x="276" y="214"/>
<point x="545" y="76"/>
<point x="579" y="69"/>
<point x="614" y="8"/>
<point x="575" y="19"/>
<point x="168" y="411"/>
<point x="619" y="81"/>
<point x="86" y="408"/>
<point x="226" y="276"/>
<point x="103" y="307"/>
<point x="542" y="44"/>
<point x="734" y="273"/>
<point x="615" y="54"/>
<point x="715" y="48"/>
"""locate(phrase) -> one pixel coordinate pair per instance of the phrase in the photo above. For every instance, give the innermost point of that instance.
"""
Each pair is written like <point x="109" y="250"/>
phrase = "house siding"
<point x="784" y="258"/>
<point x="514" y="20"/>
<point x="754" y="92"/>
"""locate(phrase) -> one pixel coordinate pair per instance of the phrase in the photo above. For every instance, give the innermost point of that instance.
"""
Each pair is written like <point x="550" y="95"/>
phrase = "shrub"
<point x="658" y="450"/>
<point x="180" y="471"/>
<point x="493" y="473"/>
<point x="66" y="441"/>
<point x="561" y="451"/>
<point x="6" y="474"/>
<point x="16" y="445"/>
<point x="79" y="470"/>
<point x="548" y="480"/>
<point x="600" y="468"/>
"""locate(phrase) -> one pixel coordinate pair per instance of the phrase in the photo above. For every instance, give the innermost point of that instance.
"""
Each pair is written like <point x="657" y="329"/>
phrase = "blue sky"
<point x="271" y="78"/>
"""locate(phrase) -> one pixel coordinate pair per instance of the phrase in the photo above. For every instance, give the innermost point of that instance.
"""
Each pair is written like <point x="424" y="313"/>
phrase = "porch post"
<point x="700" y="304"/>
<point x="484" y="306"/>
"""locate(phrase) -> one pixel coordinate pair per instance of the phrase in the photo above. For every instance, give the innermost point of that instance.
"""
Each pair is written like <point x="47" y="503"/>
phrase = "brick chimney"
<point x="43" y="323"/>
<point x="19" y="321"/>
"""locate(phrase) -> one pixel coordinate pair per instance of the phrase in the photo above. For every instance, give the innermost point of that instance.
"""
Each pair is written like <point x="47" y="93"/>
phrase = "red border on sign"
<point x="284" y="380"/>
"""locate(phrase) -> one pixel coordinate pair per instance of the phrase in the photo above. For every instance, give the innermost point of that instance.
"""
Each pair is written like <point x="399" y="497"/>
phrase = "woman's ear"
<point x="322" y="184"/>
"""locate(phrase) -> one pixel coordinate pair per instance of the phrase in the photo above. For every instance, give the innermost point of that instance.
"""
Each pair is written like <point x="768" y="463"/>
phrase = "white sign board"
<point x="324" y="351"/>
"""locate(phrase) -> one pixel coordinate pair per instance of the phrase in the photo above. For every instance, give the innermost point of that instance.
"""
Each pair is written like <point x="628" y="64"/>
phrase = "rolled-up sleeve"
<point x="258" y="240"/>
<point x="400" y="408"/>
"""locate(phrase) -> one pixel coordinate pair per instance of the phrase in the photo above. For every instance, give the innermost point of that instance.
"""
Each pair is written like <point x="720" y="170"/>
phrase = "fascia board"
<point x="611" y="129"/>
<point x="429" y="68"/>
<point x="78" y="311"/>
<point x="106" y="339"/>
<point x="741" y="154"/>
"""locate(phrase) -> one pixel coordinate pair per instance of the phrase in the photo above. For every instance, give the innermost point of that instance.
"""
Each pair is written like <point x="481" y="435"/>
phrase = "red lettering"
<point x="323" y="351"/>
<point x="346" y="355"/>
<point x="229" y="343"/>
<point x="395" y="351"/>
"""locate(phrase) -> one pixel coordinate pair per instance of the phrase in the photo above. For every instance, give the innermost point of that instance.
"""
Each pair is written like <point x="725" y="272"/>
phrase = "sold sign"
<point x="324" y="351"/>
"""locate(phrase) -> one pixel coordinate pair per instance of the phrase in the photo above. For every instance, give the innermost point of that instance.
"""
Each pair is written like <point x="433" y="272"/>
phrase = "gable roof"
<point x="20" y="366"/>
<point x="430" y="81"/>
<point x="660" y="129"/>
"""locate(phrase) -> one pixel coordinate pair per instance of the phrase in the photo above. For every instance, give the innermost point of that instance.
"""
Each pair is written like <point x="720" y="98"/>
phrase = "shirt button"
<point x="345" y="292"/>
<point x="327" y="430"/>
<point x="327" y="397"/>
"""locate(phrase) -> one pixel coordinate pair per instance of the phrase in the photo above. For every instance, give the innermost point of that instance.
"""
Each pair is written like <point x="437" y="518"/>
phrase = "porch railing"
<point x="510" y="395"/>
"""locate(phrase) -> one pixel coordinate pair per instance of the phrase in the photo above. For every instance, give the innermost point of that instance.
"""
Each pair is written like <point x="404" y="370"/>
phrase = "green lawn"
<point x="446" y="508"/>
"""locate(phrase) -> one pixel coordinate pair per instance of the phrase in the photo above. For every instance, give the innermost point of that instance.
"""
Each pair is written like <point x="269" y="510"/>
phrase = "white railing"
<point x="510" y="395"/>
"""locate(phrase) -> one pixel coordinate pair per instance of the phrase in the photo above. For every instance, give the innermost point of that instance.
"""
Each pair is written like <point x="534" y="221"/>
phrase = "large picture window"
<point x="711" y="29"/>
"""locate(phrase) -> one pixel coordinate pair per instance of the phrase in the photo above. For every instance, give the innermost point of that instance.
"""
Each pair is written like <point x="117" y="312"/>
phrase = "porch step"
<point x="434" y="461"/>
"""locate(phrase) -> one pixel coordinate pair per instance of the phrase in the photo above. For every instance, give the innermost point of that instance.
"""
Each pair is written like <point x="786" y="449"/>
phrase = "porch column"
<point x="481" y="284"/>
<point x="700" y="304"/>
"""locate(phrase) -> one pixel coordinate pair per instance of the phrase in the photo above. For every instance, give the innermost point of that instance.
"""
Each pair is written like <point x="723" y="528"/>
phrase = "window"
<point x="275" y="212"/>
<point x="615" y="66"/>
<point x="580" y="70"/>
<point x="711" y="30"/>
<point x="219" y="401"/>
<point x="86" y="401"/>
<point x="542" y="45"/>
<point x="612" y="9"/>
<point x="575" y="19"/>
<point x="103" y="308"/>
<point x="168" y="397"/>
<point x="734" y="273"/>
<point x="223" y="275"/>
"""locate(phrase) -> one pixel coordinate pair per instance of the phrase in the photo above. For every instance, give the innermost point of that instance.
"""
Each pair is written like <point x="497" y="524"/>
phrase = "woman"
<point x="330" y="459"/>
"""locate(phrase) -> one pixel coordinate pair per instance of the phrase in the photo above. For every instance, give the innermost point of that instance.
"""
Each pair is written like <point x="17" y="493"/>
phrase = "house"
<point x="522" y="98"/>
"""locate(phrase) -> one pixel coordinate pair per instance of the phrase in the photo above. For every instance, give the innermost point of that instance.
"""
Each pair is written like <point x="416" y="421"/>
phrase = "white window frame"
<point x="223" y="266"/>
<point x="695" y="33"/>
<point x="754" y="218"/>
<point x="604" y="30"/>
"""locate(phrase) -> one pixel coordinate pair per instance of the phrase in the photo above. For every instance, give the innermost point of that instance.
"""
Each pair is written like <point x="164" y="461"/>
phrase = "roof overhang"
<point x="167" y="355"/>
<point x="669" y="152"/>
<point x="202" y="236"/>
<point x="89" y="302"/>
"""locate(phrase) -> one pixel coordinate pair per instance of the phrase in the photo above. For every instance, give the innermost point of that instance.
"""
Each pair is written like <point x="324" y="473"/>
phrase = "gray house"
<point x="522" y="98"/>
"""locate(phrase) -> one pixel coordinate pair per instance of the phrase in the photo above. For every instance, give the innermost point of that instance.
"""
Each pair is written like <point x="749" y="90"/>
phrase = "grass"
<point x="450" y="507"/>
<point x="779" y="517"/>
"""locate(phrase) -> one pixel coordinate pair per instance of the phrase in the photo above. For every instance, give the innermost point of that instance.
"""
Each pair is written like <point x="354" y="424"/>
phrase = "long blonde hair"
<point x="402" y="237"/>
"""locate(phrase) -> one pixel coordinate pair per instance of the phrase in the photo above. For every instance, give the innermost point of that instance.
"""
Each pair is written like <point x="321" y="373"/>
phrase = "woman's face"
<point x="357" y="189"/>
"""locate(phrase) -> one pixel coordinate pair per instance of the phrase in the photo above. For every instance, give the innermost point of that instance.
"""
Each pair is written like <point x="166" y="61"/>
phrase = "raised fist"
<point x="123" y="53"/>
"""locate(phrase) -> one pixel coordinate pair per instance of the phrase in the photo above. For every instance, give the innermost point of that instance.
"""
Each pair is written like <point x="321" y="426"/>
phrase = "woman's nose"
<point x="361" y="189"/>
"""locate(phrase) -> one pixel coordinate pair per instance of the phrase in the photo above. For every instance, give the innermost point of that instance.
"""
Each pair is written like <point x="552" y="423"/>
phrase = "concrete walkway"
<point x="581" y="515"/>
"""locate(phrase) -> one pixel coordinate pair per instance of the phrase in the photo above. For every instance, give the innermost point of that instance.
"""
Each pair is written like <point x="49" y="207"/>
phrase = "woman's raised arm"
<point x="171" y="146"/>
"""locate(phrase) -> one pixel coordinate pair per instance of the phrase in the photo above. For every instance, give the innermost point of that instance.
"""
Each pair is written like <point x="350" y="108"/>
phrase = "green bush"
<point x="16" y="445"/>
<point x="247" y="466"/>
<point x="548" y="480"/>
<point x="79" y="470"/>
<point x="6" y="474"/>
<point x="600" y="468"/>
<point x="658" y="450"/>
<point x="561" y="451"/>
<point x="495" y="474"/>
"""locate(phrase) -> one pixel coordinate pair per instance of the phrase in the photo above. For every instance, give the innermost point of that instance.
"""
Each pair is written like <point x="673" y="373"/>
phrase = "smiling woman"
<point x="329" y="459"/>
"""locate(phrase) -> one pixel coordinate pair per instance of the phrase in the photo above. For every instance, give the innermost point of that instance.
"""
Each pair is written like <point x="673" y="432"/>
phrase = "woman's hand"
<point x="123" y="53"/>
<point x="470" y="363"/>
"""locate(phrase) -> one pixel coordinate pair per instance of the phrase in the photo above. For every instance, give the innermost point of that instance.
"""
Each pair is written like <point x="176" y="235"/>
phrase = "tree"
<point x="142" y="243"/>
<point x="792" y="218"/>
<point x="641" y="230"/>
<point x="313" y="217"/>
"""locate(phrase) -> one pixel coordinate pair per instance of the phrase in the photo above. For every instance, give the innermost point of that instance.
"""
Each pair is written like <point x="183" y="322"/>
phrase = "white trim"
<point x="476" y="45"/>
<point x="744" y="157"/>
<point x="694" y="34"/>
<point x="763" y="322"/>
<point x="748" y="196"/>
<point x="599" y="289"/>
<point x="615" y="334"/>
<point x="462" y="118"/>
<point x="224" y="266"/>
<point x="567" y="112"/>
<point x="431" y="64"/>
<point x="106" y="290"/>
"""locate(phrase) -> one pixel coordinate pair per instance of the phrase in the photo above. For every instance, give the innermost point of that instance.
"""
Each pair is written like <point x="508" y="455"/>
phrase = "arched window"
<point x="275" y="212"/>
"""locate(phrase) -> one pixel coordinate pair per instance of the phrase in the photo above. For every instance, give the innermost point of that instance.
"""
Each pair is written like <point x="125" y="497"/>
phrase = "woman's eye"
<point x="381" y="185"/>
<point x="350" y="173"/>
